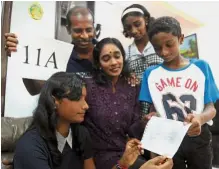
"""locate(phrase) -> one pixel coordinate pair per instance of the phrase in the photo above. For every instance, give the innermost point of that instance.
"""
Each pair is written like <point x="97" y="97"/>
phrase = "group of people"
<point x="96" y="122"/>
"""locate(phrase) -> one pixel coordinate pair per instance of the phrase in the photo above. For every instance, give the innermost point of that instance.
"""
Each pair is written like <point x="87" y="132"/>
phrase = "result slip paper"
<point x="163" y="136"/>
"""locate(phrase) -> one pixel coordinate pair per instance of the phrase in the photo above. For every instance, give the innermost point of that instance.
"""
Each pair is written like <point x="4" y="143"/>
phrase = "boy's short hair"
<point x="165" y="24"/>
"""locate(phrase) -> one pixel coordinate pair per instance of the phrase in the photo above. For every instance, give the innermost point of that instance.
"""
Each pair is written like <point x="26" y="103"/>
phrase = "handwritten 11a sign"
<point x="34" y="62"/>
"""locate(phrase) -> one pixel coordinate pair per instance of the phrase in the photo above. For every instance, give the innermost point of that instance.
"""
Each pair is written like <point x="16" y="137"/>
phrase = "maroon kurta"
<point x="109" y="119"/>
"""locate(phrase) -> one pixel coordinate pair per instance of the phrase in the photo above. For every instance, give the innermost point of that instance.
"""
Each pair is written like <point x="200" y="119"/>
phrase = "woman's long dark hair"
<point x="99" y="75"/>
<point x="146" y="16"/>
<point x="59" y="85"/>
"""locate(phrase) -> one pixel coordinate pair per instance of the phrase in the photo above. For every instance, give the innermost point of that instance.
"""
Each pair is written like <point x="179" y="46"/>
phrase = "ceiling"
<point x="179" y="10"/>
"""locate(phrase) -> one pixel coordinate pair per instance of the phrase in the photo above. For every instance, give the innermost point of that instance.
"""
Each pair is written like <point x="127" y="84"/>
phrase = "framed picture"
<point x="189" y="48"/>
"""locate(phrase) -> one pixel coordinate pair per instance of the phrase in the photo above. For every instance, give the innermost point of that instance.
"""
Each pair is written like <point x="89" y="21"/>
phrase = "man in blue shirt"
<point x="80" y="25"/>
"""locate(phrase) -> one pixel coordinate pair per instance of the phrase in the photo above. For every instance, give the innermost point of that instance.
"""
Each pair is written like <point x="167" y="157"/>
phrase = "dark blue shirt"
<point x="32" y="151"/>
<point x="75" y="64"/>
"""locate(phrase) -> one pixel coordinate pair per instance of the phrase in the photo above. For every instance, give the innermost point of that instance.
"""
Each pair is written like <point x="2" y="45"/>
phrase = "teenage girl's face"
<point x="135" y="27"/>
<point x="111" y="60"/>
<point x="72" y="111"/>
<point x="167" y="46"/>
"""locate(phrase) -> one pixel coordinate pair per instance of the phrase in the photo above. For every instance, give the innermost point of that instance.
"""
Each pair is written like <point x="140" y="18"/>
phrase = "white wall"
<point x="208" y="47"/>
<point x="108" y="14"/>
<point x="21" y="21"/>
<point x="208" y="36"/>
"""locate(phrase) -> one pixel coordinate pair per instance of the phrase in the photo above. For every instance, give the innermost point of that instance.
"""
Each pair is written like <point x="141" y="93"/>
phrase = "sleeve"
<point x="82" y="135"/>
<point x="137" y="127"/>
<point x="127" y="54"/>
<point x="137" y="110"/>
<point x="144" y="92"/>
<point x="211" y="93"/>
<point x="88" y="152"/>
<point x="30" y="154"/>
<point x="145" y="107"/>
<point x="69" y="67"/>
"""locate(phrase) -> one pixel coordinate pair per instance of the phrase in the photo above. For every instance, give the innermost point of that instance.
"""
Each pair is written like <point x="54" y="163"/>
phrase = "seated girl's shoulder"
<point x="30" y="140"/>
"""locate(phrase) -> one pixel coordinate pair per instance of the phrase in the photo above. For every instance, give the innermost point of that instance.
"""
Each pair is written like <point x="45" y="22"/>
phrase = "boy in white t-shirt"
<point x="179" y="81"/>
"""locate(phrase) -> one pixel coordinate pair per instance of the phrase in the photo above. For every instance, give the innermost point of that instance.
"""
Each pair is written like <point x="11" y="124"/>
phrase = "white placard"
<point x="163" y="136"/>
<point x="36" y="58"/>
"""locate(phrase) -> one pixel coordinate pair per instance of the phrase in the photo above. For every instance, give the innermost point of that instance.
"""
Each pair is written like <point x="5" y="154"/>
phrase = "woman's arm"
<point x="89" y="164"/>
<point x="132" y="151"/>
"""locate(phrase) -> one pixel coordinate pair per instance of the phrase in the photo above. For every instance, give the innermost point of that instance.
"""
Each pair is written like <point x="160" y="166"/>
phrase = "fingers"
<point x="6" y="162"/>
<point x="132" y="152"/>
<point x="11" y="49"/>
<point x="168" y="164"/>
<point x="134" y="146"/>
<point x="194" y="131"/>
<point x="137" y="81"/>
<point x="12" y="40"/>
<point x="11" y="45"/>
<point x="148" y="116"/>
<point x="195" y="128"/>
<point x="10" y="35"/>
<point x="158" y="160"/>
<point x="133" y="80"/>
<point x="188" y="118"/>
<point x="133" y="142"/>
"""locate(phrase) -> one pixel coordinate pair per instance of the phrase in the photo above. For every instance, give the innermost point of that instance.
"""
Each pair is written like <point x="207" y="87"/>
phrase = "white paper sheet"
<point x="18" y="101"/>
<point x="163" y="136"/>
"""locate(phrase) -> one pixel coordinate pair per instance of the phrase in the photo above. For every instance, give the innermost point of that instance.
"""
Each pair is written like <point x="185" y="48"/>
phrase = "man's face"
<point x="82" y="30"/>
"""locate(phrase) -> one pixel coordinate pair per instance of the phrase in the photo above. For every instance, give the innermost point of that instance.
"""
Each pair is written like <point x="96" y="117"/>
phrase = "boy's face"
<point x="167" y="45"/>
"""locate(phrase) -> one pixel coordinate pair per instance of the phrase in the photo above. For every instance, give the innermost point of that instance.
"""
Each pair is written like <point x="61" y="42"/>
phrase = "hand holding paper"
<point x="163" y="136"/>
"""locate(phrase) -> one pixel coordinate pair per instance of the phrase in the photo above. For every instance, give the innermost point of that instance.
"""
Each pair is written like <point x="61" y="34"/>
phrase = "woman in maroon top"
<point x="114" y="108"/>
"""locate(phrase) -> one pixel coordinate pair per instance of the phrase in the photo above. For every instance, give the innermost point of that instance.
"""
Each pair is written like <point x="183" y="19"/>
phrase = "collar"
<point x="74" y="55"/>
<point x="148" y="49"/>
<point x="62" y="140"/>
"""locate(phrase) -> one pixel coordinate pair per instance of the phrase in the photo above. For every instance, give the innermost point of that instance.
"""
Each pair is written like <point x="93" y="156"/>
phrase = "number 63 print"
<point x="177" y="108"/>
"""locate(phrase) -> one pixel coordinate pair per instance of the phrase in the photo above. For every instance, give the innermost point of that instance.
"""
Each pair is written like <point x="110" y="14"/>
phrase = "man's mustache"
<point x="82" y="40"/>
